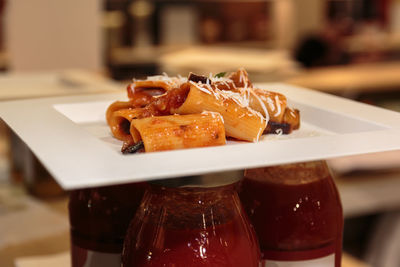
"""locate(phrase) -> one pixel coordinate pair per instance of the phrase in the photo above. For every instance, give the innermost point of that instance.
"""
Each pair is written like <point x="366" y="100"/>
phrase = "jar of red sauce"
<point x="297" y="214"/>
<point x="99" y="218"/>
<point x="189" y="222"/>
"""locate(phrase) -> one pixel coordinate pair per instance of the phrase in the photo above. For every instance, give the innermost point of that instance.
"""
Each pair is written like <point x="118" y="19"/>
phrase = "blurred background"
<point x="349" y="48"/>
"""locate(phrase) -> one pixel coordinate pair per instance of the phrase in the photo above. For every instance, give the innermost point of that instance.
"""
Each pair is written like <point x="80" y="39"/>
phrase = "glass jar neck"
<point x="184" y="191"/>
<point x="195" y="207"/>
<point x="291" y="174"/>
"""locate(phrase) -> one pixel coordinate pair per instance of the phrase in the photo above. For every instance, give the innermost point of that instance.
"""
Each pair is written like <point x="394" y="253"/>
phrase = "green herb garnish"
<point x="220" y="75"/>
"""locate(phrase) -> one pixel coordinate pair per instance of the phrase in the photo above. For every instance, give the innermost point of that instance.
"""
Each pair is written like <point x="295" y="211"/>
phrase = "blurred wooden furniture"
<point x="265" y="66"/>
<point x="37" y="227"/>
<point x="369" y="192"/>
<point x="378" y="76"/>
<point x="54" y="83"/>
<point x="3" y="60"/>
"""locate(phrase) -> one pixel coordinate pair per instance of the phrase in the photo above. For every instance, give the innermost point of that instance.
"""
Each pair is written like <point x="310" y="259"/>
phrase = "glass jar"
<point x="190" y="226"/>
<point x="297" y="214"/>
<point x="99" y="218"/>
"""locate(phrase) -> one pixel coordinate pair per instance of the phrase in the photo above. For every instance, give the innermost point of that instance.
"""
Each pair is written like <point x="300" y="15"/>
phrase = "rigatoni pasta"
<point x="275" y="103"/>
<point x="166" y="113"/>
<point x="179" y="131"/>
<point x="117" y="105"/>
<point x="240" y="122"/>
<point x="120" y="120"/>
<point x="154" y="85"/>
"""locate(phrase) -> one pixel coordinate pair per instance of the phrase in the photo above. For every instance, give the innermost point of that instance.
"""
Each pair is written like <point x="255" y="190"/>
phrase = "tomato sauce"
<point x="294" y="221"/>
<point x="180" y="227"/>
<point x="171" y="100"/>
<point x="214" y="246"/>
<point x="99" y="218"/>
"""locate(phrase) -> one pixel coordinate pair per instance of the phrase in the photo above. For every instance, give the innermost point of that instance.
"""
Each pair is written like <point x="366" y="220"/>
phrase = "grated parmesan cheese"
<point x="173" y="81"/>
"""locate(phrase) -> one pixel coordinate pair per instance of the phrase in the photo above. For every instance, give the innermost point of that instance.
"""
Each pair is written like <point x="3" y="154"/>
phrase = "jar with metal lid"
<point x="297" y="214"/>
<point x="191" y="221"/>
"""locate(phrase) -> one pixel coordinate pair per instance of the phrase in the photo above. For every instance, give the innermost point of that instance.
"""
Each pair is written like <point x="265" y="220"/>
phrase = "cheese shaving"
<point x="278" y="112"/>
<point x="172" y="81"/>
<point x="241" y="98"/>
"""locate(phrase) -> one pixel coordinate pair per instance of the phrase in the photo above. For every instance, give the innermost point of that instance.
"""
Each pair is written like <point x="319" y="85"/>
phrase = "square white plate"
<point x="71" y="138"/>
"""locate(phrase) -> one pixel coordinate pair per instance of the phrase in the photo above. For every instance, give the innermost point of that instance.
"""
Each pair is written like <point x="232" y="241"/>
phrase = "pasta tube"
<point x="117" y="105"/>
<point x="154" y="85"/>
<point x="292" y="117"/>
<point x="290" y="122"/>
<point x="119" y="122"/>
<point x="240" y="78"/>
<point x="179" y="131"/>
<point x="275" y="103"/>
<point x="240" y="121"/>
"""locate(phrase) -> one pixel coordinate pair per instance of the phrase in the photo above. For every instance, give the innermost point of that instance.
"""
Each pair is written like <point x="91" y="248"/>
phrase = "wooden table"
<point x="373" y="77"/>
<point x="54" y="83"/>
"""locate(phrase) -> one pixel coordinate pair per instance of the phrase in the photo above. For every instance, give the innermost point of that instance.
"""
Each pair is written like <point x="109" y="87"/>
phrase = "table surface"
<point x="54" y="83"/>
<point x="372" y="77"/>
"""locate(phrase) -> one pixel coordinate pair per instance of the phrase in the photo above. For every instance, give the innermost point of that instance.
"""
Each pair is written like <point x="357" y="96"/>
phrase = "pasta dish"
<point x="165" y="113"/>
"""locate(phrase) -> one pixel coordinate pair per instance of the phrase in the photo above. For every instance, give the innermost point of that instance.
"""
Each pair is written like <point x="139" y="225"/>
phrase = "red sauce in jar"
<point x="213" y="246"/>
<point x="99" y="218"/>
<point x="295" y="221"/>
<point x="180" y="227"/>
